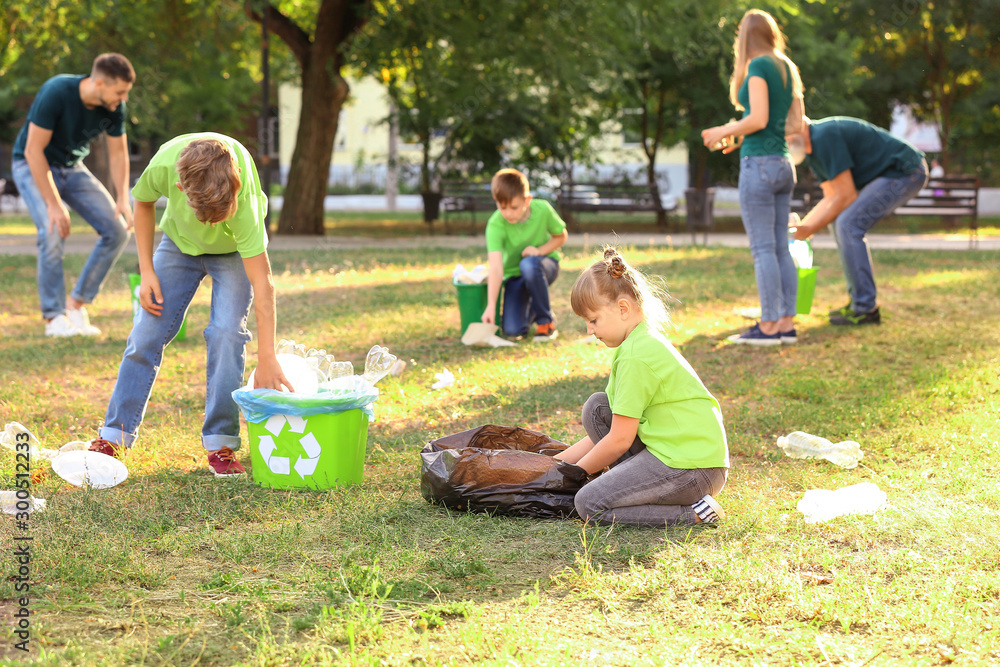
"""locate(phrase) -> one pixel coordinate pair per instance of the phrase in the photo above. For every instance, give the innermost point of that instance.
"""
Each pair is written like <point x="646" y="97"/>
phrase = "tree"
<point x="930" y="56"/>
<point x="319" y="52"/>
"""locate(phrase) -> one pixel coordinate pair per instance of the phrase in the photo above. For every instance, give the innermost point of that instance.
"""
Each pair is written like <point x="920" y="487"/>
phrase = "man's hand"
<point x="803" y="232"/>
<point x="124" y="209"/>
<point x="269" y="375"/>
<point x="59" y="218"/>
<point x="150" y="296"/>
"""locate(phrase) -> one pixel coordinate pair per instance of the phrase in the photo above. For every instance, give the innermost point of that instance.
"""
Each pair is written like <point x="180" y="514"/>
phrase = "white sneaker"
<point x="81" y="321"/>
<point x="61" y="327"/>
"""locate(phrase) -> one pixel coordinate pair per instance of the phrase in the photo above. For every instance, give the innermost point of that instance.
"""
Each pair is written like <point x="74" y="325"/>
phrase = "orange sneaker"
<point x="546" y="332"/>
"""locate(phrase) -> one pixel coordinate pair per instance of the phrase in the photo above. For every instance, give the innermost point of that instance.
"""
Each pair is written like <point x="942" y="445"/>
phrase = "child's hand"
<point x="530" y="251"/>
<point x="572" y="473"/>
<point x="489" y="314"/>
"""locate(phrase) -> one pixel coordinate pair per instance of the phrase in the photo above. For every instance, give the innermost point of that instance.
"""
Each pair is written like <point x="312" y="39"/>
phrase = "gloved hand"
<point x="573" y="473"/>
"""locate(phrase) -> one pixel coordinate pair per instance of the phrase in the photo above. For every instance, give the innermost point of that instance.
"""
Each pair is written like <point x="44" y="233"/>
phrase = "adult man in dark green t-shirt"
<point x="865" y="173"/>
<point x="68" y="113"/>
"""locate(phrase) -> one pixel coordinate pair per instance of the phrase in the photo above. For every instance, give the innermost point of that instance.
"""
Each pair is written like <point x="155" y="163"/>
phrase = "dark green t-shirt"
<point x="840" y="143"/>
<point x="771" y="139"/>
<point x="58" y="107"/>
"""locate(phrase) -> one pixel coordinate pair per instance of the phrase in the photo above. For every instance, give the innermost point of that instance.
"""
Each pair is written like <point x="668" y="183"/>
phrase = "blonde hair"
<point x="612" y="278"/>
<point x="758" y="33"/>
<point x="507" y="184"/>
<point x="210" y="179"/>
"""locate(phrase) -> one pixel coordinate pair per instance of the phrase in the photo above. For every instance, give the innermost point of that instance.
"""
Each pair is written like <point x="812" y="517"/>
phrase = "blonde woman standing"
<point x="764" y="85"/>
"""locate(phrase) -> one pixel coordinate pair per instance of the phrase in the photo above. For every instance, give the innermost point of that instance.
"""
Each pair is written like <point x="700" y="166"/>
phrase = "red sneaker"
<point x="223" y="463"/>
<point x="107" y="447"/>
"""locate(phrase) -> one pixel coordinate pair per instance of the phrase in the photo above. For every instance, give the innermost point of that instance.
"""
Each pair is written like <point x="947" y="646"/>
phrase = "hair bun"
<point x="616" y="266"/>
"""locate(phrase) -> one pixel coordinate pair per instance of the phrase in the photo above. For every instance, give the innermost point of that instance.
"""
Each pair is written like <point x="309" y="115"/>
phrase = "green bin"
<point x="134" y="279"/>
<point x="807" y="287"/>
<point x="472" y="300"/>
<point x="317" y="452"/>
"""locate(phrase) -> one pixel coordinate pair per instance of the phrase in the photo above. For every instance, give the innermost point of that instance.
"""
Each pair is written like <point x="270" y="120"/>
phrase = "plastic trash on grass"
<point x="93" y="469"/>
<point x="11" y="503"/>
<point x="820" y="505"/>
<point x="499" y="469"/>
<point x="483" y="334"/>
<point x="800" y="445"/>
<point x="476" y="276"/>
<point x="444" y="379"/>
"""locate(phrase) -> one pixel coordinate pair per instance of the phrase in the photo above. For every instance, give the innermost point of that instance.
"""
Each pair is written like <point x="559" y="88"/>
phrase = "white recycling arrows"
<point x="276" y="464"/>
<point x="279" y="465"/>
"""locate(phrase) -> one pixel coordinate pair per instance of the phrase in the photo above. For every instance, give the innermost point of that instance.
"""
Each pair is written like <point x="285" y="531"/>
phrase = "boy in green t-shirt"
<point x="523" y="238"/>
<point x="213" y="226"/>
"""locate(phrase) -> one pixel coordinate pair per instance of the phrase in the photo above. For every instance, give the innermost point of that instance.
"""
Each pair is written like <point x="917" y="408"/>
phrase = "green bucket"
<point x="807" y="287"/>
<point x="317" y="452"/>
<point x="472" y="300"/>
<point x="133" y="282"/>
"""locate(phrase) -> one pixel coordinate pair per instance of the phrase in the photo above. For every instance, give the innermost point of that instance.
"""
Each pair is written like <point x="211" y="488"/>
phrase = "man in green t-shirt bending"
<point x="213" y="226"/>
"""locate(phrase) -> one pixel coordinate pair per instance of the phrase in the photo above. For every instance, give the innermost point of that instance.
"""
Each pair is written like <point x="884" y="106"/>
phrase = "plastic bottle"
<point x="9" y="501"/>
<point x="378" y="363"/>
<point x="819" y="505"/>
<point x="800" y="250"/>
<point x="799" y="445"/>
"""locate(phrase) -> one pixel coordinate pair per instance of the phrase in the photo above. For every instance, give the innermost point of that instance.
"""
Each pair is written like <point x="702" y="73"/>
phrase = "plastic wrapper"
<point x="498" y="469"/>
<point x="344" y="393"/>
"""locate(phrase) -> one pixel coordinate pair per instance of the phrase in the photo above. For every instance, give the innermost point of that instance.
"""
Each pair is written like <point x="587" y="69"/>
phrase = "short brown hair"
<point x="507" y="184"/>
<point x="210" y="179"/>
<point x="113" y="67"/>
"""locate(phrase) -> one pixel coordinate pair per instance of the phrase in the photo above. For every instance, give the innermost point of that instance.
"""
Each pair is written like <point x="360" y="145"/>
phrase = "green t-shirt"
<point x="511" y="239"/>
<point x="680" y="422"/>
<point x="840" y="143"/>
<point x="771" y="139"/>
<point x="244" y="232"/>
<point x="58" y="107"/>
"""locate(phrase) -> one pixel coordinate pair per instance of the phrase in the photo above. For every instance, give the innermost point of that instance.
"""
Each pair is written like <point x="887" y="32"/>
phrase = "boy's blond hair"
<point x="210" y="179"/>
<point x="507" y="184"/>
<point x="612" y="278"/>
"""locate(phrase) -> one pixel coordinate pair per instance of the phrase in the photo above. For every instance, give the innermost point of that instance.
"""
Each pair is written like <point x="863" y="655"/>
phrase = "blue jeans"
<point x="226" y="338"/>
<point x="526" y="297"/>
<point x="84" y="194"/>
<point x="640" y="489"/>
<point x="766" y="183"/>
<point x="875" y="201"/>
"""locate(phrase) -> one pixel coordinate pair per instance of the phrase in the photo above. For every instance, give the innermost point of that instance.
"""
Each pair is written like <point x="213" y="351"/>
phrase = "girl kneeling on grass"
<point x="656" y="425"/>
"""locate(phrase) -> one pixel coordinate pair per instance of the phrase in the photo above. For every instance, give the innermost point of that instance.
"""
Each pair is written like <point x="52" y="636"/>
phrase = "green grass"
<point x="410" y="223"/>
<point x="175" y="568"/>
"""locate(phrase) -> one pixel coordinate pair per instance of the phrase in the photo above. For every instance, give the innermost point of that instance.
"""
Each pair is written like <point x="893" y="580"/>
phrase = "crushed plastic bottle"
<point x="378" y="363"/>
<point x="819" y="505"/>
<point x="800" y="445"/>
<point x="10" y="503"/>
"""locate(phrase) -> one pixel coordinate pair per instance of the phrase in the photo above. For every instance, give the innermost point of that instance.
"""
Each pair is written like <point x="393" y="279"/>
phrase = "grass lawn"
<point x="410" y="223"/>
<point x="175" y="568"/>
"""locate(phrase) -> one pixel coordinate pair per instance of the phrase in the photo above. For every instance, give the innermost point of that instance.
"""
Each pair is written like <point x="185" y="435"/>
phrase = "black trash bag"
<point x="501" y="470"/>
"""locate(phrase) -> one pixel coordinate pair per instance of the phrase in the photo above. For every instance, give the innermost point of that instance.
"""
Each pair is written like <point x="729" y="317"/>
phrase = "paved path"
<point x="83" y="243"/>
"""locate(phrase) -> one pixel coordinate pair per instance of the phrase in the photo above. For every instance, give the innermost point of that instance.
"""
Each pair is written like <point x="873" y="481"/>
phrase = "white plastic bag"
<point x="819" y="505"/>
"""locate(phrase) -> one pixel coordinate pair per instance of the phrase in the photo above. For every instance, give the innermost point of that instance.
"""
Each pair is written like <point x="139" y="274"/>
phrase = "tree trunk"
<point x="323" y="95"/>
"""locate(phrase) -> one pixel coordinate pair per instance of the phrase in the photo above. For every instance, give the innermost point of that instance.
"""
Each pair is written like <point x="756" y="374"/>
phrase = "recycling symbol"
<point x="281" y="465"/>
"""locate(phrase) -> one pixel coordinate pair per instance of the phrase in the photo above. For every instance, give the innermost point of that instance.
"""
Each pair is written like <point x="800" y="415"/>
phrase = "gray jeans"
<point x="640" y="489"/>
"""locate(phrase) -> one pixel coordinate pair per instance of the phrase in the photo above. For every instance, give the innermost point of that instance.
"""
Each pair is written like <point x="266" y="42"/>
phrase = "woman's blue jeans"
<point x="875" y="201"/>
<point x="526" y="297"/>
<point x="766" y="183"/>
<point x="84" y="194"/>
<point x="225" y="337"/>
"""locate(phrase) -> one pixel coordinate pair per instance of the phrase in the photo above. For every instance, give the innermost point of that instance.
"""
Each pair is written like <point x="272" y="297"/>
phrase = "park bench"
<point x="596" y="197"/>
<point x="948" y="196"/>
<point x="466" y="197"/>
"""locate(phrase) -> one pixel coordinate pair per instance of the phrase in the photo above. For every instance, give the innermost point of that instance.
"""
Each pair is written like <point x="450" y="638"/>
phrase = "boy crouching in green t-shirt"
<point x="213" y="226"/>
<point x="523" y="238"/>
